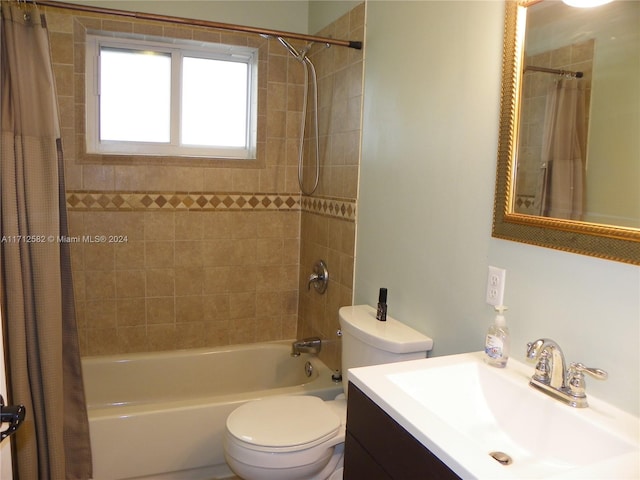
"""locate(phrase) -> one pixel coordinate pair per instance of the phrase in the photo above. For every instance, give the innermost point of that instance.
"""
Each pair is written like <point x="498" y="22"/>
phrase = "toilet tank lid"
<point x="392" y="336"/>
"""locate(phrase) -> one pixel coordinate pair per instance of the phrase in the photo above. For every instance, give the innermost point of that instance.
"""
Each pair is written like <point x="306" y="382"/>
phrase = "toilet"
<point x="298" y="437"/>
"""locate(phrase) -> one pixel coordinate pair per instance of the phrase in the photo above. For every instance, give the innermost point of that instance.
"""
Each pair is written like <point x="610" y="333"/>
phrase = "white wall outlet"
<point x="495" y="286"/>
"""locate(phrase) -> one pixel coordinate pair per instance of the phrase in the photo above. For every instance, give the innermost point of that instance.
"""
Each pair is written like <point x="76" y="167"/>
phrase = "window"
<point x="170" y="99"/>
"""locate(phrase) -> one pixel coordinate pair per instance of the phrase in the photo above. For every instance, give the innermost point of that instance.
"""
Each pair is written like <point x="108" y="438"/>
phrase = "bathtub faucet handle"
<point x="319" y="277"/>
<point x="306" y="345"/>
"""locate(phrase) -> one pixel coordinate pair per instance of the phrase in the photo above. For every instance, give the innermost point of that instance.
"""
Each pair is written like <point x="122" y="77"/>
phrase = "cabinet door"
<point x="395" y="451"/>
<point x="359" y="465"/>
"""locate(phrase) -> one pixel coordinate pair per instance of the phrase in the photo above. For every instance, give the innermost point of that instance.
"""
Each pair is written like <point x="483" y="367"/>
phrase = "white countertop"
<point x="463" y="453"/>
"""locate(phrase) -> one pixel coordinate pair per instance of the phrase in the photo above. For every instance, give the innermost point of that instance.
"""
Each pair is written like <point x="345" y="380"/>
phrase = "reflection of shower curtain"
<point x="564" y="150"/>
<point x="37" y="294"/>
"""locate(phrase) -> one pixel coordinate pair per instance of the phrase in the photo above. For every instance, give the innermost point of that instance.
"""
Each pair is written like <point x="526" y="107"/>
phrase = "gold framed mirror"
<point x="603" y="240"/>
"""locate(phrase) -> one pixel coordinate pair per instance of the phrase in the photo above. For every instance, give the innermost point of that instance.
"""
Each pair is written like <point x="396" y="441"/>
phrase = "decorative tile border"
<point x="331" y="207"/>
<point x="85" y="200"/>
<point x="78" y="200"/>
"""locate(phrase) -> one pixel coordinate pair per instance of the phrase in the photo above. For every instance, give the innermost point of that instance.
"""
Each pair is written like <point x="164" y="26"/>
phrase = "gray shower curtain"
<point x="564" y="150"/>
<point x="41" y="339"/>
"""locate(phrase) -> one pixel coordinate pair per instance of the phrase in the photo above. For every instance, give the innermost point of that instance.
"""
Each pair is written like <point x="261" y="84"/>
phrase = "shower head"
<point x="289" y="47"/>
<point x="301" y="55"/>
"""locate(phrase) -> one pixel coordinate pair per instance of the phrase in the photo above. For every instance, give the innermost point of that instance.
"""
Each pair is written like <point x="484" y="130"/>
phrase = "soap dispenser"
<point x="496" y="345"/>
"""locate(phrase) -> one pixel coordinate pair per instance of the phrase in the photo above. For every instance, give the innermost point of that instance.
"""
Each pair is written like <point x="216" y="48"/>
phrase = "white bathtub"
<point x="162" y="415"/>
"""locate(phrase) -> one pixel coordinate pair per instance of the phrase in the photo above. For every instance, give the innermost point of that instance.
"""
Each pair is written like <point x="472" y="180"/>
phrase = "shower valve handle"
<point x="319" y="277"/>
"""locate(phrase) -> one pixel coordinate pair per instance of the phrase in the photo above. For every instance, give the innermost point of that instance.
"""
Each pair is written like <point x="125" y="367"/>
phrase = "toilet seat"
<point x="286" y="438"/>
<point x="284" y="424"/>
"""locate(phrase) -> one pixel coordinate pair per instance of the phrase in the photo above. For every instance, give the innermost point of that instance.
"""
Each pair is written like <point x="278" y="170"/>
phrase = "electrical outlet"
<point x="495" y="286"/>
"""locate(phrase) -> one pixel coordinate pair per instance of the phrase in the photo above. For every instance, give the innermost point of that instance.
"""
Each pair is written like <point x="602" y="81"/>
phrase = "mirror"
<point x="528" y="207"/>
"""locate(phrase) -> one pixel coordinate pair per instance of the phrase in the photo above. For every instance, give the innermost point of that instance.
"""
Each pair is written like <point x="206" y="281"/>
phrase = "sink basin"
<point x="463" y="410"/>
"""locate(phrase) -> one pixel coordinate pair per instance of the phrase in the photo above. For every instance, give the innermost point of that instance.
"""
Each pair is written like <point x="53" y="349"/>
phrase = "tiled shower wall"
<point x="196" y="252"/>
<point x="323" y="234"/>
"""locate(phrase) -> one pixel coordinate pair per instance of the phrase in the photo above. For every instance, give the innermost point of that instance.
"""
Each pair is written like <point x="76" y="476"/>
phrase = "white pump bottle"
<point x="497" y="342"/>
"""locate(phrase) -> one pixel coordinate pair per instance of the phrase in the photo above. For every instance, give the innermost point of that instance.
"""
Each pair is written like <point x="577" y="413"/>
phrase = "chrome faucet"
<point x="552" y="376"/>
<point x="551" y="366"/>
<point x="306" y="345"/>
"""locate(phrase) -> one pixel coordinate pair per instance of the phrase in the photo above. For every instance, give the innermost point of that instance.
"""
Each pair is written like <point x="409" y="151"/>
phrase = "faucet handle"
<point x="319" y="277"/>
<point x="594" y="372"/>
<point x="575" y="379"/>
<point x="543" y="368"/>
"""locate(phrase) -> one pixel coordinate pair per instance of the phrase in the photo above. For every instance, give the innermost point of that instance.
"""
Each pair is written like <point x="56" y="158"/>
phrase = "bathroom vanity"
<point x="377" y="447"/>
<point x="456" y="417"/>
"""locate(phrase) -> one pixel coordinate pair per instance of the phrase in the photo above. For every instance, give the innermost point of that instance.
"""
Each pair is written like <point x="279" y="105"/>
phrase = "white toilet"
<point x="299" y="437"/>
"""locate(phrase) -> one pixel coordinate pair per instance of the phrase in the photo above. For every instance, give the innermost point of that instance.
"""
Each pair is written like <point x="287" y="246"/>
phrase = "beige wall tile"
<point x="160" y="282"/>
<point x="98" y="177"/>
<point x="189" y="225"/>
<point x="148" y="29"/>
<point x="190" y="335"/>
<point x="132" y="339"/>
<point x="243" y="305"/>
<point x="159" y="226"/>
<point x="190" y="309"/>
<point x="218" y="179"/>
<point x="216" y="280"/>
<point x="216" y="334"/>
<point x="188" y="253"/>
<point x="99" y="284"/>
<point x="129" y="255"/>
<point x="242" y="331"/>
<point x="160" y="310"/>
<point x="102" y="341"/>
<point x="159" y="254"/>
<point x="270" y="251"/>
<point x="131" y="312"/>
<point x="64" y="79"/>
<point x="217" y="308"/>
<point x="59" y="22"/>
<point x="189" y="280"/>
<point x="99" y="256"/>
<point x="66" y="112"/>
<point x="130" y="177"/>
<point x="100" y="313"/>
<point x="117" y="26"/>
<point x="161" y="337"/>
<point x="130" y="283"/>
<point x="242" y="279"/>
<point x="61" y="47"/>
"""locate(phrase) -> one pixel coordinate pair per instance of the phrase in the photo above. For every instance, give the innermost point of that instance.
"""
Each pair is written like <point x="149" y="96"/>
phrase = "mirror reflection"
<point x="578" y="151"/>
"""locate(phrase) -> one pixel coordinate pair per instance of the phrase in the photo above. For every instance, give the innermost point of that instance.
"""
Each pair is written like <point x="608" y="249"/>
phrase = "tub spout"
<point x="306" y="345"/>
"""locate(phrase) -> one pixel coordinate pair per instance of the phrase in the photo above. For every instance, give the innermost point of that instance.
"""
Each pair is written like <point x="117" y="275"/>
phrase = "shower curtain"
<point x="564" y="151"/>
<point x="41" y="339"/>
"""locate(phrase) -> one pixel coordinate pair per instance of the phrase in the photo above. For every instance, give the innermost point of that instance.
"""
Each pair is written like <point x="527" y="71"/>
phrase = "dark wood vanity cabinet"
<point x="378" y="448"/>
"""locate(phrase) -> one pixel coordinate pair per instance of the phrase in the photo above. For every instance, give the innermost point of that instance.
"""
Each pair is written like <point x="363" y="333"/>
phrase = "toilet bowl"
<point x="286" y="438"/>
<point x="302" y="437"/>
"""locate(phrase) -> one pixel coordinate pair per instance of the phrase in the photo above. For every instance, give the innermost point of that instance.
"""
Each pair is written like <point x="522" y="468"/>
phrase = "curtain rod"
<point x="554" y="70"/>
<point x="199" y="23"/>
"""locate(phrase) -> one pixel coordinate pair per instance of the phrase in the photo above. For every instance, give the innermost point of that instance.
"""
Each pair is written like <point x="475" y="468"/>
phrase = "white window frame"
<point x="177" y="49"/>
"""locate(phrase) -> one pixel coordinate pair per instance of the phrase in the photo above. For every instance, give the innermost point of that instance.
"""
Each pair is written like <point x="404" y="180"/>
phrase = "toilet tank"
<point x="367" y="341"/>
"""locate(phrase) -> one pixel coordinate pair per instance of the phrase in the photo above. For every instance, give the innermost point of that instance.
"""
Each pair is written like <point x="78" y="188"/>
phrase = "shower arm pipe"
<point x="198" y="23"/>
